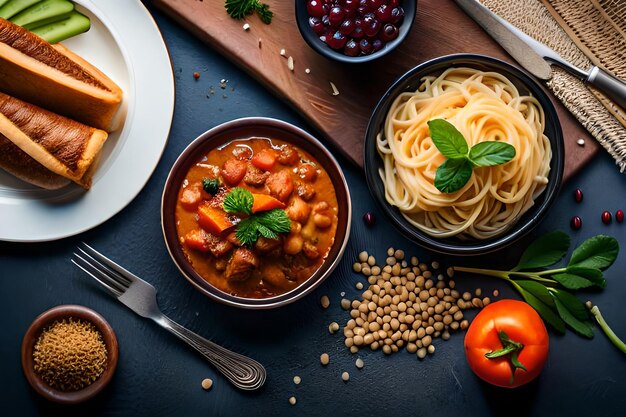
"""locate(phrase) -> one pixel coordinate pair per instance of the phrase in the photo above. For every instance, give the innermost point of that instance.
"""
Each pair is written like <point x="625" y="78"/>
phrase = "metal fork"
<point x="138" y="295"/>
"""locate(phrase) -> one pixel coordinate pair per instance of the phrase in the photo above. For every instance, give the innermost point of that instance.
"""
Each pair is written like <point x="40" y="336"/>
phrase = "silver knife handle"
<point x="614" y="88"/>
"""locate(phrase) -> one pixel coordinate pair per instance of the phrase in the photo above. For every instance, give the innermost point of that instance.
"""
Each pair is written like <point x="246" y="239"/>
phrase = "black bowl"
<point x="529" y="220"/>
<point x="240" y="129"/>
<point x="302" y="18"/>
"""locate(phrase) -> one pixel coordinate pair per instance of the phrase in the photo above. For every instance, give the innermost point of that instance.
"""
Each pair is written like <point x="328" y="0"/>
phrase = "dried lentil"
<point x="324" y="359"/>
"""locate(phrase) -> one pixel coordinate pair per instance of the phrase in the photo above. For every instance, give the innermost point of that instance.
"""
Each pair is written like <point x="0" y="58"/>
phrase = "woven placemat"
<point x="586" y="33"/>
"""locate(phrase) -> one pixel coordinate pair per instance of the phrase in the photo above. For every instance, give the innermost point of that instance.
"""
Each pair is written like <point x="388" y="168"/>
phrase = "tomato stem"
<point x="509" y="347"/>
<point x="605" y="327"/>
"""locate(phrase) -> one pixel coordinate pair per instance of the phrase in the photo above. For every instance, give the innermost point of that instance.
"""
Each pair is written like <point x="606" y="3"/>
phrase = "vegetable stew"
<point x="256" y="217"/>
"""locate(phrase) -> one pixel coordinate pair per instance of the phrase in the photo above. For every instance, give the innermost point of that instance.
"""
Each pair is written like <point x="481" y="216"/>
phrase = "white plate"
<point x="125" y="43"/>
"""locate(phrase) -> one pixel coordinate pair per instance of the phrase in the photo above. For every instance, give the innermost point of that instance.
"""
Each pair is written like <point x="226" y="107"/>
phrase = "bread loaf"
<point x="54" y="78"/>
<point x="55" y="143"/>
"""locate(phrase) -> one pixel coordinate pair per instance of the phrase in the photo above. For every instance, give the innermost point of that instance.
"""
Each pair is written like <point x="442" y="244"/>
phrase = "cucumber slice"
<point x="13" y="7"/>
<point x="44" y="12"/>
<point x="63" y="29"/>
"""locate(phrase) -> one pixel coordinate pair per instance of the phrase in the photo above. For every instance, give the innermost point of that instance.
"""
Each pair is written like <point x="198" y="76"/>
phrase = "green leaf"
<point x="238" y="9"/>
<point x="276" y="220"/>
<point x="545" y="251"/>
<point x="491" y="153"/>
<point x="572" y="282"/>
<point x="544" y="311"/>
<point x="572" y="303"/>
<point x="211" y="186"/>
<point x="597" y="252"/>
<point x="247" y="232"/>
<point x="592" y="274"/>
<point x="447" y="139"/>
<point x="452" y="175"/>
<point x="581" y="327"/>
<point x="238" y="200"/>
<point x="538" y="290"/>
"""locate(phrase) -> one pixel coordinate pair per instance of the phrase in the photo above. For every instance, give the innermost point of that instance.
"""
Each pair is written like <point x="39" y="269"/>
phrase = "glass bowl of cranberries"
<point x="354" y="30"/>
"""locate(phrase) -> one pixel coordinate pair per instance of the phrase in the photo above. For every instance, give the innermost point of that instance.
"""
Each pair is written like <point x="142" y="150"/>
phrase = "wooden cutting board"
<point x="440" y="28"/>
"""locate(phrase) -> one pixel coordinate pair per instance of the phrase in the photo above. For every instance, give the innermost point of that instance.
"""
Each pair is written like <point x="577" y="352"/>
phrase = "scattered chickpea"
<point x="324" y="359"/>
<point x="345" y="304"/>
<point x="363" y="256"/>
<point x="333" y="327"/>
<point x="356" y="267"/>
<point x="496" y="293"/>
<point x="297" y="380"/>
<point x="207" y="383"/>
<point x="359" y="363"/>
<point x="345" y="376"/>
<point x="292" y="400"/>
<point x="325" y="301"/>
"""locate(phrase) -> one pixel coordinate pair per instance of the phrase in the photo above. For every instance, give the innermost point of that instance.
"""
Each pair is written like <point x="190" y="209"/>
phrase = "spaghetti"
<point x="483" y="106"/>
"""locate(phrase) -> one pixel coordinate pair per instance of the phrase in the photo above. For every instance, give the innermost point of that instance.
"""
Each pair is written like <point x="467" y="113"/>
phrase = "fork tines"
<point x="102" y="269"/>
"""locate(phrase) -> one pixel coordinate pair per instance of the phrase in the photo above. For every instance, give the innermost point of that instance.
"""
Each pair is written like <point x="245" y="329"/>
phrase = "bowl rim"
<point x="410" y="14"/>
<point x="189" y="155"/>
<point x="531" y="218"/>
<point x="34" y="331"/>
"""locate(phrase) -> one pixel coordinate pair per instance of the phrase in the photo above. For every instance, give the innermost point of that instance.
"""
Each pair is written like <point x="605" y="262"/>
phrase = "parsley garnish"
<point x="266" y="223"/>
<point x="238" y="9"/>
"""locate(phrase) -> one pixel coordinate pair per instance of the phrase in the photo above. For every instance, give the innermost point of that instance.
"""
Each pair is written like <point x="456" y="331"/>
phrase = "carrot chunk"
<point x="280" y="184"/>
<point x="264" y="202"/>
<point x="196" y="240"/>
<point x="233" y="171"/>
<point x="212" y="219"/>
<point x="264" y="159"/>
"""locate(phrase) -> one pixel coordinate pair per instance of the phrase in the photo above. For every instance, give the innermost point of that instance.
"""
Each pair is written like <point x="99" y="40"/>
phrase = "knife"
<point x="536" y="57"/>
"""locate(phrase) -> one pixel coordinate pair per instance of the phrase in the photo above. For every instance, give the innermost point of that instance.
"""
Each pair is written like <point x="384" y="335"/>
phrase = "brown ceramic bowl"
<point x="34" y="331"/>
<point x="243" y="129"/>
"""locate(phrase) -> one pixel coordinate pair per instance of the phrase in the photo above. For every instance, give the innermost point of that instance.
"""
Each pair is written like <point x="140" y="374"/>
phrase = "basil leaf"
<point x="247" y="232"/>
<point x="592" y="274"/>
<point x="572" y="282"/>
<point x="581" y="327"/>
<point x="544" y="311"/>
<point x="447" y="139"/>
<point x="572" y="303"/>
<point x="545" y="251"/>
<point x="538" y="290"/>
<point x="597" y="252"/>
<point x="452" y="175"/>
<point x="491" y="153"/>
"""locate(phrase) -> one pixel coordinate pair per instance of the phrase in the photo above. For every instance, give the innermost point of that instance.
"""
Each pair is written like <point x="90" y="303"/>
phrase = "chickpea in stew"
<point x="256" y="217"/>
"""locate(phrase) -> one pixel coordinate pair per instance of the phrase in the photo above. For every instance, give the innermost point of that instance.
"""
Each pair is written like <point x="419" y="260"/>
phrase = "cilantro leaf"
<point x="238" y="9"/>
<point x="267" y="224"/>
<point x="239" y="200"/>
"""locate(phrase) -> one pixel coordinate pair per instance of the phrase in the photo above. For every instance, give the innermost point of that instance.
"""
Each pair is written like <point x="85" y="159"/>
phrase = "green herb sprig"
<point x="550" y="291"/>
<point x="454" y="173"/>
<point x="266" y="223"/>
<point x="238" y="9"/>
<point x="211" y="186"/>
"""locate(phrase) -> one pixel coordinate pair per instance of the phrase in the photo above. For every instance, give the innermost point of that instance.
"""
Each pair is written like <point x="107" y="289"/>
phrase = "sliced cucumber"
<point x="63" y="29"/>
<point x="13" y="7"/>
<point x="44" y="12"/>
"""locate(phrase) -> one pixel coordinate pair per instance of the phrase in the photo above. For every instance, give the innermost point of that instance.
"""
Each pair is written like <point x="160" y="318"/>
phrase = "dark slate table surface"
<point x="158" y="375"/>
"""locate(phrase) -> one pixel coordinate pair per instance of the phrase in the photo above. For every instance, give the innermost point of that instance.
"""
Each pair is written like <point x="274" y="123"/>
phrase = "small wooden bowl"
<point x="32" y="335"/>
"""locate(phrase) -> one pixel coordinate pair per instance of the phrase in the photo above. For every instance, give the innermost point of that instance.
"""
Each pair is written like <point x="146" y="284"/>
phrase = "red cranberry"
<point x="351" y="48"/>
<point x="357" y="33"/>
<point x="315" y="8"/>
<point x="383" y="13"/>
<point x="389" y="33"/>
<point x="397" y="13"/>
<point x="369" y="219"/>
<point x="606" y="217"/>
<point x="393" y="3"/>
<point x="347" y="26"/>
<point x="578" y="195"/>
<point x="336" y="15"/>
<point x="374" y="4"/>
<point x="619" y="216"/>
<point x="576" y="223"/>
<point x="366" y="46"/>
<point x="372" y="26"/>
<point x="318" y="27"/>
<point x="377" y="44"/>
<point x="350" y="7"/>
<point x="337" y="41"/>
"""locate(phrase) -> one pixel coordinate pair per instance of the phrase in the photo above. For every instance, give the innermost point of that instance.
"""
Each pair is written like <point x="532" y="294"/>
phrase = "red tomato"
<point x="488" y="333"/>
